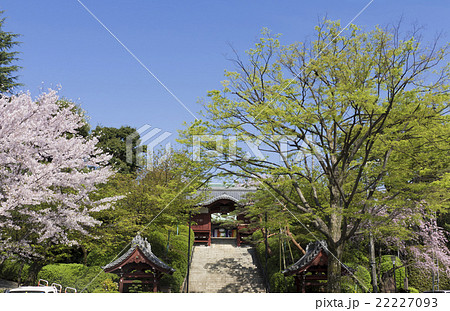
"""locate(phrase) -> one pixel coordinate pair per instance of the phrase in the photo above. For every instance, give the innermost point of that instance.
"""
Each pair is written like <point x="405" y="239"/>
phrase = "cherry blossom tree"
<point x="47" y="174"/>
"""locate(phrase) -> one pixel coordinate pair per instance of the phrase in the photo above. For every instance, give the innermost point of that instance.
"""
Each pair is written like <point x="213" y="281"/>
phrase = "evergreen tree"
<point x="7" y="57"/>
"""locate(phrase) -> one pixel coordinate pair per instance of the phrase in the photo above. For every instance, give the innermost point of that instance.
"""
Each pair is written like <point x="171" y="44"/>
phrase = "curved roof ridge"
<point x="146" y="248"/>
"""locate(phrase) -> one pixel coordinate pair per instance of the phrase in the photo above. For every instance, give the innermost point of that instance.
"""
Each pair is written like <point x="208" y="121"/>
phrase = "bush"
<point x="387" y="270"/>
<point x="361" y="285"/>
<point x="413" y="290"/>
<point x="422" y="280"/>
<point x="90" y="279"/>
<point x="281" y="284"/>
<point x="10" y="269"/>
<point x="175" y="256"/>
<point x="278" y="283"/>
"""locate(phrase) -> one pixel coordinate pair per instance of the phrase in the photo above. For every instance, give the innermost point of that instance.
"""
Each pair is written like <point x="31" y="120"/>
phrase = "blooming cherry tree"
<point x="47" y="172"/>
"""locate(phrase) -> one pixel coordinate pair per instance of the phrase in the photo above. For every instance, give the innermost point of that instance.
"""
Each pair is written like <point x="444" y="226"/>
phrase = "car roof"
<point x="34" y="289"/>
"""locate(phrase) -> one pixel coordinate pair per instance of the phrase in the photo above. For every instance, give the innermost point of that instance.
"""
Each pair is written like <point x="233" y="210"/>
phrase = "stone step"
<point x="224" y="268"/>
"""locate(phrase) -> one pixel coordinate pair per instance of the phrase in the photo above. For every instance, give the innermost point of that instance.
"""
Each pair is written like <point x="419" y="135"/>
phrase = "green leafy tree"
<point x="333" y="117"/>
<point x="114" y="141"/>
<point x="7" y="58"/>
<point x="157" y="199"/>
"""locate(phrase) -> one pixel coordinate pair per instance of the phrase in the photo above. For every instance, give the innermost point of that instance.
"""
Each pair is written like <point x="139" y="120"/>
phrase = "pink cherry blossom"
<point x="47" y="171"/>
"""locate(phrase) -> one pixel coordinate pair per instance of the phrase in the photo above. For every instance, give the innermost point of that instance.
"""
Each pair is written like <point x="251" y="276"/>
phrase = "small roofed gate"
<point x="312" y="268"/>
<point x="139" y="264"/>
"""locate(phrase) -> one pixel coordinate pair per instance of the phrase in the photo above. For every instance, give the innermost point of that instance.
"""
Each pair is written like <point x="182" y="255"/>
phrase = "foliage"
<point x="422" y="279"/>
<point x="108" y="286"/>
<point x="90" y="279"/>
<point x="278" y="260"/>
<point x="281" y="284"/>
<point x="175" y="254"/>
<point x="362" y="284"/>
<point x="123" y="144"/>
<point x="156" y="201"/>
<point x="387" y="270"/>
<point x="7" y="57"/>
<point x="47" y="174"/>
<point x="341" y="120"/>
<point x="10" y="270"/>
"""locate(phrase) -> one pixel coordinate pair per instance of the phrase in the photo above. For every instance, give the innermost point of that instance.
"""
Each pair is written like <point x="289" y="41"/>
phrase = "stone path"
<point x="224" y="268"/>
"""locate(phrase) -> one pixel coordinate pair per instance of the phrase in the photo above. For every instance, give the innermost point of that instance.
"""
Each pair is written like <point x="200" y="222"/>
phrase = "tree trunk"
<point x="84" y="250"/>
<point x="335" y="246"/>
<point x="35" y="267"/>
<point x="382" y="286"/>
<point x="19" y="276"/>
<point x="373" y="267"/>
<point x="334" y="269"/>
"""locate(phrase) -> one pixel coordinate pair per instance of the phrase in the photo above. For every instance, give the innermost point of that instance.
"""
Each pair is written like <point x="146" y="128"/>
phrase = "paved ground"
<point x="4" y="284"/>
<point x="224" y="268"/>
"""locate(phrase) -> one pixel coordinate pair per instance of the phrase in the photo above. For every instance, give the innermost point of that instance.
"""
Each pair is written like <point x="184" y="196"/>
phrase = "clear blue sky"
<point x="184" y="43"/>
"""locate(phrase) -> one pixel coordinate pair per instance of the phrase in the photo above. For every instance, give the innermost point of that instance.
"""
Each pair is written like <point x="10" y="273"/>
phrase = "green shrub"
<point x="274" y="266"/>
<point x="387" y="268"/>
<point x="92" y="279"/>
<point x="413" y="290"/>
<point x="10" y="269"/>
<point x="362" y="282"/>
<point x="422" y="280"/>
<point x="281" y="284"/>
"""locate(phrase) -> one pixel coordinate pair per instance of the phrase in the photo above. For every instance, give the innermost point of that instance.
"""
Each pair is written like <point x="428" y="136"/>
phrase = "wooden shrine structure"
<point x="215" y="209"/>
<point x="138" y="264"/>
<point x="312" y="268"/>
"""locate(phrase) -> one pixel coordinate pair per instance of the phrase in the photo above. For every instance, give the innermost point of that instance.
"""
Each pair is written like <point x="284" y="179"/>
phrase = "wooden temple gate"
<point x="221" y="201"/>
<point x="312" y="268"/>
<point x="139" y="264"/>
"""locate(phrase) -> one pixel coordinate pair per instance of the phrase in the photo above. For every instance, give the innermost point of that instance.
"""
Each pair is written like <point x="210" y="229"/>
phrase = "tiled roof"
<point x="235" y="194"/>
<point x="312" y="250"/>
<point x="146" y="249"/>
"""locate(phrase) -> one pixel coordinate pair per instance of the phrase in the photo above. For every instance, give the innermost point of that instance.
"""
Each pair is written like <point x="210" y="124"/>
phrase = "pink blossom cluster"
<point x="47" y="171"/>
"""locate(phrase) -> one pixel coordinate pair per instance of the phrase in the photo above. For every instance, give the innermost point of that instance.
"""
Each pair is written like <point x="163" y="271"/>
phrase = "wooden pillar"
<point x="303" y="282"/>
<point x="121" y="285"/>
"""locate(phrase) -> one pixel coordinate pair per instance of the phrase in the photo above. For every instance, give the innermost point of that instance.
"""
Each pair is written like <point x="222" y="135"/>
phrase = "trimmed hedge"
<point x="387" y="269"/>
<point x="422" y="280"/>
<point x="91" y="279"/>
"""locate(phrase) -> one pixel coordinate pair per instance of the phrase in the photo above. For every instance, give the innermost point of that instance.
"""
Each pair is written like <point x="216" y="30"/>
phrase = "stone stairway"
<point x="224" y="268"/>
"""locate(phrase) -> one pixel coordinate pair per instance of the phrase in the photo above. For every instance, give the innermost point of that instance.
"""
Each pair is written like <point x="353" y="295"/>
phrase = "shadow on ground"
<point x="247" y="279"/>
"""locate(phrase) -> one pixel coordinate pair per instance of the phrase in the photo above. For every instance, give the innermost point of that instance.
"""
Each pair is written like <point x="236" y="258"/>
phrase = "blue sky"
<point x="184" y="43"/>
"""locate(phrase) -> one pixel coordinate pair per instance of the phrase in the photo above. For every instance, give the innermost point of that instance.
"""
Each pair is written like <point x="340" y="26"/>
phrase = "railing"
<point x="184" y="285"/>
<point x="59" y="288"/>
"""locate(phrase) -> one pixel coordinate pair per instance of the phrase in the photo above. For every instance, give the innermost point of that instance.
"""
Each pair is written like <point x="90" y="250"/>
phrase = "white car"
<point x="35" y="289"/>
